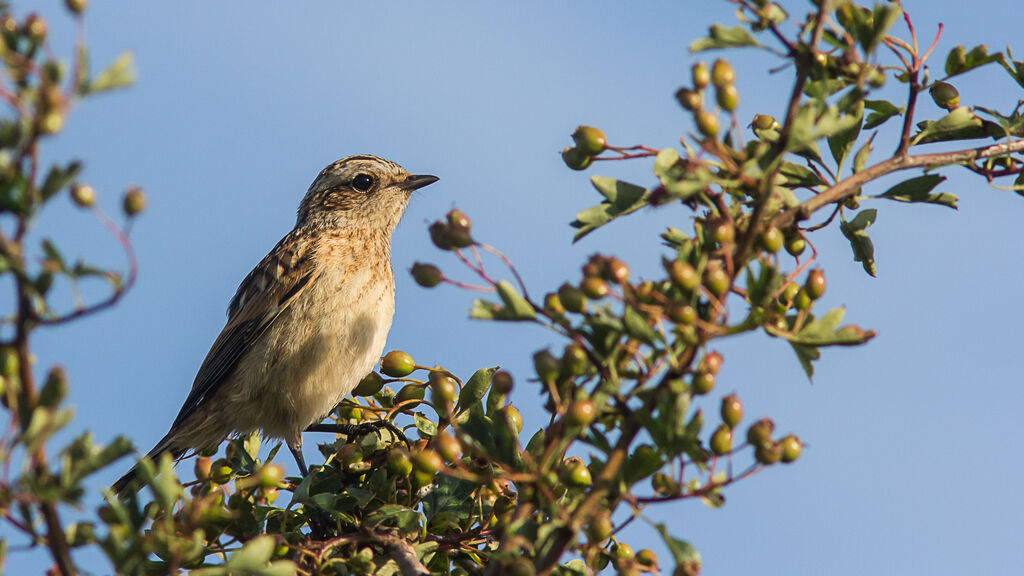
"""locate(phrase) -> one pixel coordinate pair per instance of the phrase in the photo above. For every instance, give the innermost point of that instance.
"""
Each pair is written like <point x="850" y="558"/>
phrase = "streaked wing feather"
<point x="267" y="291"/>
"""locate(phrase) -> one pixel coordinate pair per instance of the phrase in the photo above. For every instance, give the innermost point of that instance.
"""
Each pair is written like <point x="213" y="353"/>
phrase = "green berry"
<point x="397" y="364"/>
<point x="815" y="285"/>
<point x="576" y="474"/>
<point x="582" y="413"/>
<point x="134" y="201"/>
<point x="448" y="447"/>
<point x="411" y="392"/>
<point x="663" y="484"/>
<point x="271" y="475"/>
<point x="369" y="385"/>
<point x="221" y="472"/>
<point x="599" y="528"/>
<point x="760" y="433"/>
<point x="681" y="313"/>
<point x="701" y="75"/>
<point x="553" y="305"/>
<point x="716" y="280"/>
<point x="732" y="410"/>
<point x="721" y="440"/>
<point x="203" y="468"/>
<point x="707" y="123"/>
<point x="689" y="99"/>
<point x="728" y="97"/>
<point x="616" y="271"/>
<point x="443" y="388"/>
<point x="439" y="235"/>
<point x="771" y="239"/>
<point x="546" y="365"/>
<point x="764" y="122"/>
<point x="768" y="453"/>
<point x="789" y="292"/>
<point x="724" y="233"/>
<point x="594" y="288"/>
<point x="426" y="460"/>
<point x="513" y="418"/>
<point x="647" y="557"/>
<point x="35" y="28"/>
<point x="795" y="244"/>
<point x="574" y="360"/>
<point x="589" y="140"/>
<point x="458" y="229"/>
<point x="426" y="275"/>
<point x="945" y="95"/>
<point x="76" y="6"/>
<point x="623" y="551"/>
<point x="399" y="462"/>
<point x="573" y="299"/>
<point x="83" y="195"/>
<point x="683" y="275"/>
<point x="712" y="362"/>
<point x="791" y="448"/>
<point x="702" y="383"/>
<point x="575" y="158"/>
<point x="802" y="301"/>
<point x="722" y="74"/>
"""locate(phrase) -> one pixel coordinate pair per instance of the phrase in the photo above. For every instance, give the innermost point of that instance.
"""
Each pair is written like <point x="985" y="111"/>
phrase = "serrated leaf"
<point x="959" y="62"/>
<point x="860" y="159"/>
<point x="920" y="190"/>
<point x="722" y="37"/>
<point x="842" y="142"/>
<point x="426" y="428"/>
<point x="1014" y="68"/>
<point x="682" y="552"/>
<point x="57" y="178"/>
<point x="799" y="176"/>
<point x="476" y="387"/>
<point x="881" y="110"/>
<point x="883" y="17"/>
<point x="517" y="306"/>
<point x="960" y="124"/>
<point x="621" y="198"/>
<point x="119" y="74"/>
<point x="636" y="326"/>
<point x="806" y="355"/>
<point x="254" y="555"/>
<point x="814" y="121"/>
<point x="863" y="248"/>
<point x="825" y="331"/>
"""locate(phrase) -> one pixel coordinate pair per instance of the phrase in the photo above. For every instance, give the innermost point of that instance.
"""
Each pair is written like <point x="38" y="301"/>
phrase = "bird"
<point x="307" y="323"/>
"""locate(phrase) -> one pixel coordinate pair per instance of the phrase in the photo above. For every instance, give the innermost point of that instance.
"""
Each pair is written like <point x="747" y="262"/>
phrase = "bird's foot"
<point x="356" y="430"/>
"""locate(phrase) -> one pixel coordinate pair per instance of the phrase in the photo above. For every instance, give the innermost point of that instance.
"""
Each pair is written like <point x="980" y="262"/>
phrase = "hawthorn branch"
<point x="848" y="187"/>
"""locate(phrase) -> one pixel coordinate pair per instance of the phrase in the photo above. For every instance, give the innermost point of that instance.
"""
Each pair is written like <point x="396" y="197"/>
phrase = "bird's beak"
<point x="417" y="181"/>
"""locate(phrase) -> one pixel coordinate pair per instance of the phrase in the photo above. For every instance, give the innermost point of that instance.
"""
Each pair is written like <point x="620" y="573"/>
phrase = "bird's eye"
<point x="362" y="182"/>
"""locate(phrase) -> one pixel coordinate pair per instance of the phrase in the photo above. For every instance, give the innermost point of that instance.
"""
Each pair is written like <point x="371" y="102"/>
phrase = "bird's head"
<point x="359" y="192"/>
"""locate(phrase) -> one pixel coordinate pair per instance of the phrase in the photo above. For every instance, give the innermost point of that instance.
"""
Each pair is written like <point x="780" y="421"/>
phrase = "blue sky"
<point x="910" y="466"/>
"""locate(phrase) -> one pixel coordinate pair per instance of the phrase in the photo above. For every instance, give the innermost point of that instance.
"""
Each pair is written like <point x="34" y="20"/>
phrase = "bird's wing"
<point x="267" y="291"/>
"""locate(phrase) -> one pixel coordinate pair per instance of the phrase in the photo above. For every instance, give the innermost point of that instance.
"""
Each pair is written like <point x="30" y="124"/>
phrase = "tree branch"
<point x="849" y="186"/>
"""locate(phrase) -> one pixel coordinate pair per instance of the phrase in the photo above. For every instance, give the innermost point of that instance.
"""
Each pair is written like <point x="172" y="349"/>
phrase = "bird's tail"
<point x="127" y="484"/>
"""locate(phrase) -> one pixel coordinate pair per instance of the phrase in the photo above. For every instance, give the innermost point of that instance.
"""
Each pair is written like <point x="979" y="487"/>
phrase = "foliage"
<point x="471" y="494"/>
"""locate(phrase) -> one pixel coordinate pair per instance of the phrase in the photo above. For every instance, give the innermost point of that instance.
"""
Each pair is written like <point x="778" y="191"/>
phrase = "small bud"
<point x="589" y="140"/>
<point x="426" y="275"/>
<point x="134" y="201"/>
<point x="83" y="195"/>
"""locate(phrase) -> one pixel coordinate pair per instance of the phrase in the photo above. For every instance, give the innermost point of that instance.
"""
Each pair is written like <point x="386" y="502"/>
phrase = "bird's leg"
<point x="297" y="453"/>
<point x="354" y="430"/>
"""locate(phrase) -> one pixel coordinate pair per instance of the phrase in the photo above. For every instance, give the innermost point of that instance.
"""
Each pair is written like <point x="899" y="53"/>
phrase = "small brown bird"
<point x="308" y="322"/>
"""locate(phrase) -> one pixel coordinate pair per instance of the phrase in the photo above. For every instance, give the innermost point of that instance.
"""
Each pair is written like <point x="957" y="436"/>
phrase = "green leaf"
<point x="958" y="62"/>
<point x="515" y="304"/>
<point x="826" y="332"/>
<point x="57" y="178"/>
<point x="484" y="310"/>
<point x="814" y="121"/>
<point x="477" y="386"/>
<point x="798" y="176"/>
<point x="842" y="142"/>
<point x="426" y="428"/>
<point x="860" y="159"/>
<point x="254" y="555"/>
<point x="721" y="37"/>
<point x="682" y="552"/>
<point x="119" y="74"/>
<point x="1014" y="68"/>
<point x="621" y="198"/>
<point x="636" y="326"/>
<point x="919" y="190"/>
<point x="806" y="355"/>
<point x="881" y="110"/>
<point x="863" y="249"/>
<point x="960" y="124"/>
<point x="883" y="18"/>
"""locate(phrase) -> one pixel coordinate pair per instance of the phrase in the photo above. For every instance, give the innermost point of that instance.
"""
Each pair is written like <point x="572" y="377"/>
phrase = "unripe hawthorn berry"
<point x="791" y="448"/>
<point x="681" y="313"/>
<point x="398" y="462"/>
<point x="795" y="244"/>
<point x="683" y="275"/>
<point x="575" y="158"/>
<point x="689" y="99"/>
<point x="426" y="460"/>
<point x="647" y="557"/>
<point x="815" y="285"/>
<point x="707" y="123"/>
<point x="732" y="410"/>
<point x="76" y="6"/>
<point x="83" y="195"/>
<point x="701" y="75"/>
<point x="589" y="140"/>
<point x="764" y="122"/>
<point x="202" y="468"/>
<point x="728" y="97"/>
<point x="724" y="233"/>
<point x="411" y="392"/>
<point x="721" y="440"/>
<point x="439" y="235"/>
<point x="426" y="275"/>
<point x="599" y="528"/>
<point x="448" y="447"/>
<point x="594" y="288"/>
<point x="616" y="271"/>
<point x="582" y="412"/>
<point x="221" y="472"/>
<point x="553" y="304"/>
<point x="712" y="362"/>
<point x="573" y="299"/>
<point x="802" y="301"/>
<point x="271" y="475"/>
<point x="502" y="382"/>
<point x="574" y="360"/>
<point x="945" y="95"/>
<point x="702" y="383"/>
<point x="35" y="28"/>
<point x="722" y="74"/>
<point x="771" y="239"/>
<point x="760" y="432"/>
<point x="716" y="280"/>
<point x="134" y="201"/>
<point x="768" y="453"/>
<point x="443" y="389"/>
<point x="546" y="365"/>
<point x="513" y="418"/>
<point x="397" y="364"/>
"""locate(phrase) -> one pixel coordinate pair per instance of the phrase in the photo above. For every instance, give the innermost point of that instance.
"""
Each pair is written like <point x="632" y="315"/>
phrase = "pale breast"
<point x="316" y="352"/>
